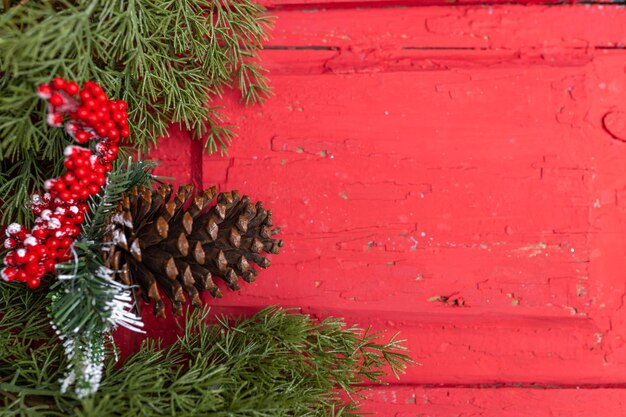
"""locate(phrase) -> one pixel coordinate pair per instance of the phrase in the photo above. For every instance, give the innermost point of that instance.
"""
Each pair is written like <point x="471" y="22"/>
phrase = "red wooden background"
<point x="454" y="172"/>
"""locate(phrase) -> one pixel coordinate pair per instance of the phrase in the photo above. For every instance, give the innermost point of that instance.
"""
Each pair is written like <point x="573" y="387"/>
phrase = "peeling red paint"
<point x="467" y="155"/>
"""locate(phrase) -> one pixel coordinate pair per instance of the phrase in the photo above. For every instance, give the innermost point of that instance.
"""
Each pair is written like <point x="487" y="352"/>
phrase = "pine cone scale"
<point x="160" y="262"/>
<point x="154" y="232"/>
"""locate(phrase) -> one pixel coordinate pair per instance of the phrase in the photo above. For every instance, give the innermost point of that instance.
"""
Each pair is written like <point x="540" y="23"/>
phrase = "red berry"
<point x="82" y="113"/>
<point x="44" y="91"/>
<point x="65" y="242"/>
<point x="69" y="164"/>
<point x="80" y="172"/>
<point x="125" y="132"/>
<point x="71" y="88"/>
<point x="65" y="196"/>
<point x="80" y="162"/>
<point x="8" y="273"/>
<point x="82" y="136"/>
<point x="118" y="116"/>
<point x="69" y="178"/>
<point x="58" y="186"/>
<point x="83" y="194"/>
<point x="10" y="243"/>
<point x="78" y="218"/>
<point x="40" y="250"/>
<point x="52" y="243"/>
<point x="56" y="100"/>
<point x="72" y="128"/>
<point x="33" y="282"/>
<point x="95" y="89"/>
<point x="122" y="105"/>
<point x="93" y="189"/>
<point x="9" y="259"/>
<point x="58" y="83"/>
<point x="90" y="103"/>
<point x="31" y="256"/>
<point x="31" y="268"/>
<point x="84" y="95"/>
<point x="40" y="233"/>
<point x="48" y="265"/>
<point x="54" y="119"/>
<point x="21" y="276"/>
<point x="101" y="130"/>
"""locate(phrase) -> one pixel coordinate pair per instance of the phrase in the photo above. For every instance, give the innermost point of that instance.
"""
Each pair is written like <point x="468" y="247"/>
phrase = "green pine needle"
<point x="276" y="363"/>
<point x="124" y="176"/>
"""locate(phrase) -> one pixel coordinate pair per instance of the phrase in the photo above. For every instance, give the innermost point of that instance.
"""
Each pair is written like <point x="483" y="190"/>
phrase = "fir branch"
<point x="164" y="57"/>
<point x="86" y="305"/>
<point x="275" y="363"/>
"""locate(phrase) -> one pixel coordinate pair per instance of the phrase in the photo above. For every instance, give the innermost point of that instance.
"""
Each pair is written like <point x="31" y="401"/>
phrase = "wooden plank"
<point x="500" y="402"/>
<point x="471" y="198"/>
<point x="536" y="29"/>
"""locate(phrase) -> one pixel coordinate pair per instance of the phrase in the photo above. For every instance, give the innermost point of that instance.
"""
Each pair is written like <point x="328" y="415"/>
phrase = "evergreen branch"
<point x="86" y="305"/>
<point x="275" y="363"/>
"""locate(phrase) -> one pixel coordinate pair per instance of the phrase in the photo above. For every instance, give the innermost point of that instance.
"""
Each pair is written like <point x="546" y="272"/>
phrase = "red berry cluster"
<point x="88" y="114"/>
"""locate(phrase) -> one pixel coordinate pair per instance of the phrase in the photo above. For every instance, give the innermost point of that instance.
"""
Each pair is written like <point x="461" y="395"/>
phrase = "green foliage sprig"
<point x="276" y="363"/>
<point x="124" y="176"/>
<point x="163" y="57"/>
<point x="87" y="303"/>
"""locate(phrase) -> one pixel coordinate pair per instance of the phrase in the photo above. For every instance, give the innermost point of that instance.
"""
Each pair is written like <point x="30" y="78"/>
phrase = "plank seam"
<point x="434" y="48"/>
<point x="403" y="4"/>
<point x="507" y="385"/>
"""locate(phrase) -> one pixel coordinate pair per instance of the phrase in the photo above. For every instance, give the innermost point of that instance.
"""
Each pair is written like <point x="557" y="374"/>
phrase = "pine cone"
<point x="179" y="246"/>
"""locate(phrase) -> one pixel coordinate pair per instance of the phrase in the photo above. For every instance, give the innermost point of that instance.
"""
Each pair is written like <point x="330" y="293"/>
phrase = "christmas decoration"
<point x="75" y="254"/>
<point x="59" y="212"/>
<point x="164" y="58"/>
<point x="101" y="220"/>
<point x="180" y="245"/>
<point x="275" y="363"/>
<point x="86" y="302"/>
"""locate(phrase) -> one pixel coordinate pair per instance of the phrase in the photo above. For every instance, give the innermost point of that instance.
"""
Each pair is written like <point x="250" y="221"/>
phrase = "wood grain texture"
<point x="454" y="173"/>
<point x="495" y="402"/>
